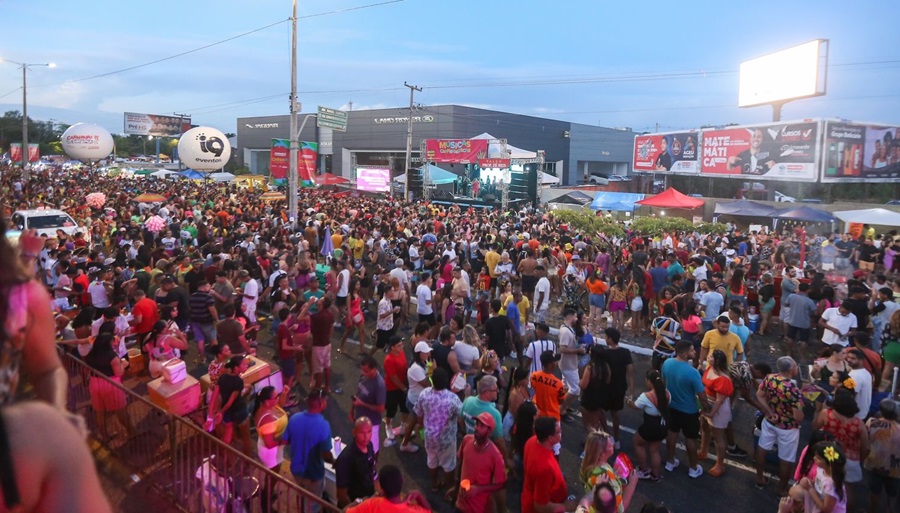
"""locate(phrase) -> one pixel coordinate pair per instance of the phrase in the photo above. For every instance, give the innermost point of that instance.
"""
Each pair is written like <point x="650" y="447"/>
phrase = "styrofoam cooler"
<point x="174" y="371"/>
<point x="753" y="322"/>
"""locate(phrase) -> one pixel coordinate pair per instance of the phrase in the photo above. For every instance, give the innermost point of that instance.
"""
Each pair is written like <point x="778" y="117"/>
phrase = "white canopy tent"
<point x="876" y="216"/>
<point x="438" y="176"/>
<point x="221" y="177"/>
<point x="163" y="173"/>
<point x="548" y="179"/>
<point x="495" y="150"/>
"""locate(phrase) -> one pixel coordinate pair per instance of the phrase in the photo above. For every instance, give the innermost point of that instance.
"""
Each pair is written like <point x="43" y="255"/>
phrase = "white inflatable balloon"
<point x="87" y="141"/>
<point x="204" y="149"/>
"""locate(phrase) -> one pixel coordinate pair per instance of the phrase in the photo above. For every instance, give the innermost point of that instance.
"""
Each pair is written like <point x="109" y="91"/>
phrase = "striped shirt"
<point x="199" y="304"/>
<point x="534" y="351"/>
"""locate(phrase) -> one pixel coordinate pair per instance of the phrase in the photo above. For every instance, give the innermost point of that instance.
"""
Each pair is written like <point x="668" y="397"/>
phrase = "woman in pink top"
<point x="356" y="321"/>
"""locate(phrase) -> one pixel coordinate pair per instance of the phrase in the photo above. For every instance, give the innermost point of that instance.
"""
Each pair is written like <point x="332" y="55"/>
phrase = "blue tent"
<point x="193" y="175"/>
<point x="807" y="214"/>
<point x="618" y="201"/>
<point x="438" y="176"/>
<point x="744" y="208"/>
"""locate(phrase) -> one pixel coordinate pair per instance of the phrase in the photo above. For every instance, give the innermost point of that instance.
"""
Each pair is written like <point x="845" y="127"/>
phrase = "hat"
<point x="729" y="252"/>
<point x="423" y="347"/>
<point x="487" y="419"/>
<point x="109" y="261"/>
<point x="723" y="318"/>
<point x="569" y="246"/>
<point x="549" y="356"/>
<point x="244" y="273"/>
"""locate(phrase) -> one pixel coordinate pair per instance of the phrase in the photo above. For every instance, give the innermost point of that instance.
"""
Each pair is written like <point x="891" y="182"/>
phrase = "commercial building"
<point x="573" y="152"/>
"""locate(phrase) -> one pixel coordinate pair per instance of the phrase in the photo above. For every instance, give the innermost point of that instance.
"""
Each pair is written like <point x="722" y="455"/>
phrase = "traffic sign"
<point x="331" y="118"/>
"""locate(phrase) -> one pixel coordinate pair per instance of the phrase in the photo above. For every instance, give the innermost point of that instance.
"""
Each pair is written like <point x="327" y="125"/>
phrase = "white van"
<point x="46" y="222"/>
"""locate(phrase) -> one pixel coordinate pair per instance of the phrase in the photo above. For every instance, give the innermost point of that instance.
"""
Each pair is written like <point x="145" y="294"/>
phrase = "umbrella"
<point x="328" y="246"/>
<point x="155" y="224"/>
<point x="95" y="199"/>
<point x="272" y="196"/>
<point x="149" y="197"/>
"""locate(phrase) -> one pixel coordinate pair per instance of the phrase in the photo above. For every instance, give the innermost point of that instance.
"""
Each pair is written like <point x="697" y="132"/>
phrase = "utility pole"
<point x="24" y="126"/>
<point x="409" y="124"/>
<point x="181" y="132"/>
<point x="292" y="169"/>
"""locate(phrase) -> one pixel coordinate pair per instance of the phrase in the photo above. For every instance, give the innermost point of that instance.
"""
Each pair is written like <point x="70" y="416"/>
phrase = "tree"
<point x="588" y="222"/>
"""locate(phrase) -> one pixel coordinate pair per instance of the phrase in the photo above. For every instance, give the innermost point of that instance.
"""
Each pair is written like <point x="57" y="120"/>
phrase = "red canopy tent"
<point x="670" y="198"/>
<point x="330" y="179"/>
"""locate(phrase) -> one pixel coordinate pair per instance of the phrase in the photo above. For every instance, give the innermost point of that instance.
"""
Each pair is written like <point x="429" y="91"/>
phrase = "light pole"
<point x="24" y="67"/>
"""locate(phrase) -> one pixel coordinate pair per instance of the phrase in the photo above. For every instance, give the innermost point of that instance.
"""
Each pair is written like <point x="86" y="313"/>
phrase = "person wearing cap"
<point x="481" y="471"/>
<point x="417" y="378"/>
<point x="839" y="324"/>
<point x="721" y="338"/>
<point x="550" y="392"/>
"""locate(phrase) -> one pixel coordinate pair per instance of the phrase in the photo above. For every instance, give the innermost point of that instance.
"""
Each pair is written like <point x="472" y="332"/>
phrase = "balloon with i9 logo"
<point x="204" y="149"/>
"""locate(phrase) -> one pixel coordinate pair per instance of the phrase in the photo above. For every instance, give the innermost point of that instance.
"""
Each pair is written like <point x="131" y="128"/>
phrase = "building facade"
<point x="378" y="138"/>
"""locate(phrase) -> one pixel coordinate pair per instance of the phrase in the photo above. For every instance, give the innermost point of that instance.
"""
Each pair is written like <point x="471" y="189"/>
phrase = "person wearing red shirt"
<point x="481" y="471"/>
<point x="85" y="282"/>
<point x="544" y="487"/>
<point x="395" y="385"/>
<point x="144" y="314"/>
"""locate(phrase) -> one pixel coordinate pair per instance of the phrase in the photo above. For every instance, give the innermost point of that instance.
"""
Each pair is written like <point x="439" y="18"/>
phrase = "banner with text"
<point x="156" y="125"/>
<point x="279" y="158"/>
<point x="493" y="163"/>
<point x="856" y="152"/>
<point x="783" y="151"/>
<point x="309" y="158"/>
<point x="375" y="179"/>
<point x="15" y="152"/>
<point x="456" y="151"/>
<point x="662" y="153"/>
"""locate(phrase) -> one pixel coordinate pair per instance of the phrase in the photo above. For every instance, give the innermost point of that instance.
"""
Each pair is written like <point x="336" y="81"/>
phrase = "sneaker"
<point x="670" y="466"/>
<point x="389" y="442"/>
<point x="736" y="452"/>
<point x="643" y="473"/>
<point x="409" y="448"/>
<point x="695" y="472"/>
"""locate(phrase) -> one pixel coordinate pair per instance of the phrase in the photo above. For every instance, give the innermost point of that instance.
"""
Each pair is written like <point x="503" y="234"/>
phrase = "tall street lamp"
<point x="24" y="67"/>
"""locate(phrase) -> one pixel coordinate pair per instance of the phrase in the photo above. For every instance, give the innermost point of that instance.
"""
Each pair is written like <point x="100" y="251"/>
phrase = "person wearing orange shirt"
<point x="597" y="299"/>
<point x="388" y="498"/>
<point x="549" y="391"/>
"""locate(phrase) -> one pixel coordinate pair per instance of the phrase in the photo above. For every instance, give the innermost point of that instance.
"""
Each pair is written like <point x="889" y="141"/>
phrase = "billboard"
<point x="279" y="158"/>
<point x="670" y="152"/>
<point x="156" y="125"/>
<point x="860" y="152"/>
<point x="780" y="151"/>
<point x="797" y="72"/>
<point x="456" y="151"/>
<point x="375" y="179"/>
<point x="307" y="163"/>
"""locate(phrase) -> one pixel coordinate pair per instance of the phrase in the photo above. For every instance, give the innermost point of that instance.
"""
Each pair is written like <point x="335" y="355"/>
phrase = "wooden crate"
<point x="178" y="398"/>
<point x="261" y="370"/>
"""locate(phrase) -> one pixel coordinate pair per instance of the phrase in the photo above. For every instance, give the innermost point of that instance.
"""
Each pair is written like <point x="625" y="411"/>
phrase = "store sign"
<point x="456" y="151"/>
<point x="493" y="163"/>
<point x="404" y="119"/>
<point x="261" y="125"/>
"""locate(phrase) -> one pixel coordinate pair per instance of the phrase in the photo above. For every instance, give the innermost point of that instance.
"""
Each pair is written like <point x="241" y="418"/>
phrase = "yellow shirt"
<point x="357" y="246"/>
<point x="491" y="259"/>
<point x="524" y="305"/>
<point x="729" y="343"/>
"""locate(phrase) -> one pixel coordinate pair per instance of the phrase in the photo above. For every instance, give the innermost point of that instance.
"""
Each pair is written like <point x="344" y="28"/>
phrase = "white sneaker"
<point x="670" y="466"/>
<point x="695" y="472"/>
<point x="409" y="448"/>
<point x="389" y="442"/>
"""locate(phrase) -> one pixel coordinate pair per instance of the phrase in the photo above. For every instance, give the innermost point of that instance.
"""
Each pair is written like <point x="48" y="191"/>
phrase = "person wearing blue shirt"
<point x="738" y="327"/>
<point x="712" y="303"/>
<point x="675" y="268"/>
<point x="309" y="437"/>
<point x="686" y="390"/>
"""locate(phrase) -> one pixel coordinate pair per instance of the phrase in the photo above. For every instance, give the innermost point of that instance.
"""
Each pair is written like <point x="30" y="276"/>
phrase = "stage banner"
<point x="783" y="151"/>
<point x="15" y="152"/>
<point x="455" y="151"/>
<point x="493" y="163"/>
<point x="279" y="158"/>
<point x="309" y="157"/>
<point x="856" y="152"/>
<point x="661" y="153"/>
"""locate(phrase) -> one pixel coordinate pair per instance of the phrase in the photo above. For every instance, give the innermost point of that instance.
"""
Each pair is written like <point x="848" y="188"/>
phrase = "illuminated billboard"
<point x="675" y="153"/>
<point x="779" y="151"/>
<point x="155" y="125"/>
<point x="374" y="179"/>
<point x="797" y="72"/>
<point x="856" y="152"/>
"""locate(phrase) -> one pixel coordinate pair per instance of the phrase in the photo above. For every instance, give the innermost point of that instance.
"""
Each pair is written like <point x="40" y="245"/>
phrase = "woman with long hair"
<point x="839" y="419"/>
<point x="737" y="288"/>
<point x="597" y="289"/>
<point x="270" y="420"/>
<point x="595" y="384"/>
<point x="163" y="345"/>
<point x="827" y="493"/>
<point x="618" y="302"/>
<point x="516" y="394"/>
<point x="448" y="307"/>
<point x="719" y="388"/>
<point x="521" y="431"/>
<point x="106" y="397"/>
<point x="228" y="406"/>
<point x="599" y="447"/>
<point x="356" y="321"/>
<point x="655" y="406"/>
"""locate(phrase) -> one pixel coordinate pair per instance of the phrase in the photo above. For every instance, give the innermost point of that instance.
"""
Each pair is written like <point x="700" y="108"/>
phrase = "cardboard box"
<point x="179" y="398"/>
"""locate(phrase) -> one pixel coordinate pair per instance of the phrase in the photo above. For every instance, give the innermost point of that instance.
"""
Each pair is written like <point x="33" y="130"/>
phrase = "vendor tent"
<point x="548" y="179"/>
<point x="221" y="177"/>
<point x="671" y="198"/>
<point x="804" y="213"/>
<point x="330" y="179"/>
<point x="438" y="176"/>
<point x="192" y="174"/>
<point x="162" y="173"/>
<point x="574" y="198"/>
<point x="618" y="201"/>
<point x="495" y="150"/>
<point x="876" y="216"/>
<point x="744" y="208"/>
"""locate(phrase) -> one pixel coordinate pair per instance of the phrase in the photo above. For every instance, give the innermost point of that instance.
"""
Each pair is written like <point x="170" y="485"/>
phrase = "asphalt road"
<point x="734" y="491"/>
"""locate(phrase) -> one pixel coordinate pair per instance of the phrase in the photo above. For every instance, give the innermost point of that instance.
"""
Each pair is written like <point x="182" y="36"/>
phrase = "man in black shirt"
<point x="866" y="255"/>
<point x="621" y="381"/>
<point x="495" y="329"/>
<point x="354" y="468"/>
<point x="194" y="276"/>
<point x="170" y="294"/>
<point x="859" y="306"/>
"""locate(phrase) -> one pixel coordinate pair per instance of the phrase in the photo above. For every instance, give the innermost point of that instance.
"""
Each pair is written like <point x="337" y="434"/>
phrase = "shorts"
<point x="203" y="332"/>
<point x="687" y="424"/>
<point x="571" y="379"/>
<point x="528" y="284"/>
<point x="395" y="400"/>
<point x="493" y="282"/>
<point x="340" y="301"/>
<point x="597" y="300"/>
<point x="722" y="417"/>
<point x="852" y="471"/>
<point x="787" y="440"/>
<point x="321" y="358"/>
<point x="235" y="416"/>
<point x="866" y="266"/>
<point x="768" y="306"/>
<point x="288" y="367"/>
<point x="613" y="400"/>
<point x="617" y="306"/>
<point x="382" y="337"/>
<point x="443" y="456"/>
<point x="798" y="334"/>
<point x="637" y="304"/>
<point x="785" y="311"/>
<point x="541" y="316"/>
<point x="105" y="396"/>
<point x="693" y="338"/>
<point x="653" y="429"/>
<point x="429" y="318"/>
<point x="879" y="481"/>
<point x="827" y="267"/>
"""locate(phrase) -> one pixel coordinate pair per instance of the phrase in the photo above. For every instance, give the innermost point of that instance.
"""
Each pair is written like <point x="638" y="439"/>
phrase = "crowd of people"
<point x="490" y="330"/>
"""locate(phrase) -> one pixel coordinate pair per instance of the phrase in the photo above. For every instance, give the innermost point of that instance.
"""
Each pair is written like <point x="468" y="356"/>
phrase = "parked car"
<point x="893" y="202"/>
<point x="618" y="178"/>
<point x="46" y="222"/>
<point x="783" y="198"/>
<point x="598" y="180"/>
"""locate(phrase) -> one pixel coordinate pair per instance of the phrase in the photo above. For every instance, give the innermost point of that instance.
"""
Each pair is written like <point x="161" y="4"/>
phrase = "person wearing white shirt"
<point x="250" y="295"/>
<point x="541" y="295"/>
<point x="100" y="290"/>
<point x="854" y="358"/>
<point x="450" y="252"/>
<point x="540" y="344"/>
<point x="424" y="298"/>
<point x="400" y="274"/>
<point x="839" y="325"/>
<point x="414" y="256"/>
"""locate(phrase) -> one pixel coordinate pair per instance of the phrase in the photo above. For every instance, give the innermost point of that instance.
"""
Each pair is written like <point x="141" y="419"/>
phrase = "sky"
<point x="596" y="62"/>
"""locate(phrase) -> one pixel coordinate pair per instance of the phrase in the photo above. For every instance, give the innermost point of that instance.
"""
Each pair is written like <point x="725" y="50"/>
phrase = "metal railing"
<point x="193" y="469"/>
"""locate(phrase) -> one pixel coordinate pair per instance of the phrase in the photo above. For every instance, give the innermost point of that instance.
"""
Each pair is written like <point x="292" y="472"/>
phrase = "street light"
<point x="24" y="67"/>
